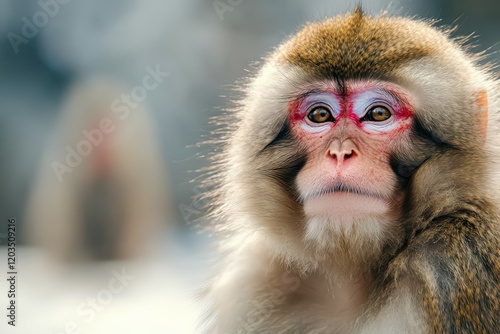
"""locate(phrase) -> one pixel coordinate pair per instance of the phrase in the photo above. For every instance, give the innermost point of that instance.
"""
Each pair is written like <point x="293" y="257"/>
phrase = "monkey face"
<point x="338" y="138"/>
<point x="348" y="134"/>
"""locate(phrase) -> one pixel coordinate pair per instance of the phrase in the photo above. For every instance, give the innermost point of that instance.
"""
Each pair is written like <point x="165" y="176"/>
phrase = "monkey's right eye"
<point x="319" y="114"/>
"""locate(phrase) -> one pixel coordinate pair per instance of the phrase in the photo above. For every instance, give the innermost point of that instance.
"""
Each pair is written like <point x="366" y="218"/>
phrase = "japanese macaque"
<point x="355" y="192"/>
<point x="101" y="192"/>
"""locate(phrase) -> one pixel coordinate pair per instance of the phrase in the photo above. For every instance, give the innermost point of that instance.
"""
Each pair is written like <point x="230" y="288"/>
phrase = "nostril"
<point x="342" y="151"/>
<point x="342" y="156"/>
<point x="349" y="155"/>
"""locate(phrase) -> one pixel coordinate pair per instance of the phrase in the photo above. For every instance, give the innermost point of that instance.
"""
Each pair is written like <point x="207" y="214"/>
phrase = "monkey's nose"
<point x="343" y="152"/>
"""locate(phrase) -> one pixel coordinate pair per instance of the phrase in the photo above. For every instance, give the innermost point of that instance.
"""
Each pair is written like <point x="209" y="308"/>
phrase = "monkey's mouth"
<point x="341" y="200"/>
<point x="341" y="188"/>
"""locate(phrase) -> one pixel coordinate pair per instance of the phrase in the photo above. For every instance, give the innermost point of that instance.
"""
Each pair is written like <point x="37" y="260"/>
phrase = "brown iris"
<point x="320" y="115"/>
<point x="378" y="114"/>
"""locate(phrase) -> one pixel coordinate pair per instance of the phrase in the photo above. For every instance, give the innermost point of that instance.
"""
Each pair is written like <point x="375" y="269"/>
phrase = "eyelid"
<point x="329" y="100"/>
<point x="378" y="104"/>
<point x="319" y="104"/>
<point x="368" y="99"/>
<point x="318" y="124"/>
<point x="378" y="123"/>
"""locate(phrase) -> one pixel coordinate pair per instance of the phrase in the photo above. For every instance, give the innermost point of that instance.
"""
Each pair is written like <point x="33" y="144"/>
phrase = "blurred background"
<point x="102" y="103"/>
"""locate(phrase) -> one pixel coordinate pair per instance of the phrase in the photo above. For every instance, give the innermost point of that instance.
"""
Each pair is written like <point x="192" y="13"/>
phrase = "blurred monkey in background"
<point x="101" y="192"/>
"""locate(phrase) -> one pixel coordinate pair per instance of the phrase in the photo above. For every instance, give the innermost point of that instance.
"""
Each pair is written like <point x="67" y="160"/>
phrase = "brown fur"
<point x="355" y="45"/>
<point x="460" y="251"/>
<point x="438" y="269"/>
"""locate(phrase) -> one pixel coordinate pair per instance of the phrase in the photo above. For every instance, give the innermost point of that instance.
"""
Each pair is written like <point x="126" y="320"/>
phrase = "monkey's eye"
<point x="320" y="114"/>
<point x="377" y="114"/>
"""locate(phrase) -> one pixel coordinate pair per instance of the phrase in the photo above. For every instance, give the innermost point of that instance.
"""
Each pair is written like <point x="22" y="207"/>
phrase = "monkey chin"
<point x="352" y="228"/>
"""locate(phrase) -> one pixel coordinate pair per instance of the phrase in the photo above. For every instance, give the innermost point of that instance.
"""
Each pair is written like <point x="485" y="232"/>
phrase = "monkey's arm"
<point x="446" y="280"/>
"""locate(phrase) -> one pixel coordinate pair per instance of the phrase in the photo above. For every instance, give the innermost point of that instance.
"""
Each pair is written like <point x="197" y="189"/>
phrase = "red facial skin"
<point x="351" y="152"/>
<point x="102" y="155"/>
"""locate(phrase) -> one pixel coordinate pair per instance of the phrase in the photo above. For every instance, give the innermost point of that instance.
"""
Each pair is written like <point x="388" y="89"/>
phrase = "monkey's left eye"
<point x="377" y="114"/>
<point x="319" y="114"/>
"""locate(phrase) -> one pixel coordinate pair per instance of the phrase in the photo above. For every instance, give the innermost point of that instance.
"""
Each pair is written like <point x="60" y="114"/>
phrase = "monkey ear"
<point x="481" y="99"/>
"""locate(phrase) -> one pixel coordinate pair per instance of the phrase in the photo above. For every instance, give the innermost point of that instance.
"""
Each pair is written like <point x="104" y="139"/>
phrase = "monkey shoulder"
<point x="257" y="293"/>
<point x="242" y="294"/>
